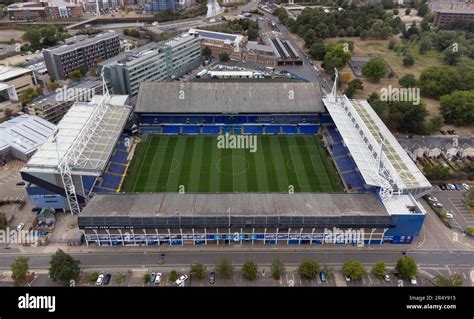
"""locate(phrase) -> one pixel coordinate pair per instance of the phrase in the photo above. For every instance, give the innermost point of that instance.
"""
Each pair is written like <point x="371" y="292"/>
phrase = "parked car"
<point x="347" y="278"/>
<point x="466" y="187"/>
<point x="437" y="205"/>
<point x="432" y="199"/>
<point x="212" y="278"/>
<point x="180" y="281"/>
<point x="442" y="186"/>
<point x="100" y="280"/>
<point x="35" y="209"/>
<point x="158" y="278"/>
<point x="450" y="215"/>
<point x="107" y="279"/>
<point x="413" y="281"/>
<point x="451" y="187"/>
<point x="20" y="227"/>
<point x="20" y="184"/>
<point x="322" y="276"/>
<point x="386" y="277"/>
<point x="458" y="188"/>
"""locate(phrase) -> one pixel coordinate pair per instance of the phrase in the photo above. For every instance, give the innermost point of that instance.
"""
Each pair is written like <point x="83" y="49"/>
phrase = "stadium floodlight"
<point x="73" y="154"/>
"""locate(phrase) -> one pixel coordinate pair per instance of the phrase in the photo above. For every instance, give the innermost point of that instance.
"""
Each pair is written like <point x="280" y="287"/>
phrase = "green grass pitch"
<point x="163" y="163"/>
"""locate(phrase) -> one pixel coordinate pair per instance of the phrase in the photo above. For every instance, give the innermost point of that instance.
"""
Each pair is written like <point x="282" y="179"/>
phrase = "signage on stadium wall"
<point x="201" y="236"/>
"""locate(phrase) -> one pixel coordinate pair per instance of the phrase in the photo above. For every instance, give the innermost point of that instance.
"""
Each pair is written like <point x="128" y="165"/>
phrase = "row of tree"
<point x="43" y="37"/>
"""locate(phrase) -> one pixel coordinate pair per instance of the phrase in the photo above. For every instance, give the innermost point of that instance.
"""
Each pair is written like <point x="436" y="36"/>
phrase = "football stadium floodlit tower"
<point x="72" y="156"/>
<point x="334" y="87"/>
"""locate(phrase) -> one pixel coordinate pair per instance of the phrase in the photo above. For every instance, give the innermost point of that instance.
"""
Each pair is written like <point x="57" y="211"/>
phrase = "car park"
<point x="99" y="280"/>
<point x="212" y="278"/>
<point x="107" y="279"/>
<point x="158" y="278"/>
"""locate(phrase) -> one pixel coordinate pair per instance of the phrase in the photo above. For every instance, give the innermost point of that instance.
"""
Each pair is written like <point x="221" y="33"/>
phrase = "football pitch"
<point x="279" y="164"/>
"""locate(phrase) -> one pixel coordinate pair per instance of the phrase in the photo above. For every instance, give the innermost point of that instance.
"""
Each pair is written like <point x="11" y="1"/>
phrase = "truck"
<point x="201" y="73"/>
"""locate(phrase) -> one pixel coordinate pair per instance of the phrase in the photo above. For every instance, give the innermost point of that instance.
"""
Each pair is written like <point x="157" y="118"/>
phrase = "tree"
<point x="3" y="221"/>
<point x="450" y="56"/>
<point x="252" y="33"/>
<point x="119" y="278"/>
<point x="407" y="81"/>
<point x="437" y="172"/>
<point x="63" y="267"/>
<point x="392" y="44"/>
<point x="336" y="57"/>
<point x="277" y="268"/>
<point x="146" y="277"/>
<point x="458" y="107"/>
<point x="93" y="277"/>
<point x="198" y="270"/>
<point x="308" y="269"/>
<point x="75" y="75"/>
<point x="379" y="270"/>
<point x="173" y="276"/>
<point x="7" y="112"/>
<point x="310" y="37"/>
<point x="318" y="51"/>
<point x="20" y="269"/>
<point x="374" y="69"/>
<point x="408" y="60"/>
<point x="353" y="269"/>
<point x="407" y="267"/>
<point x="437" y="81"/>
<point x="28" y="95"/>
<point x="225" y="268"/>
<point x="423" y="9"/>
<point x="224" y="57"/>
<point x="407" y="116"/>
<point x="451" y="281"/>
<point x="206" y="52"/>
<point x="33" y="36"/>
<point x="249" y="269"/>
<point x="354" y="86"/>
<point x="407" y="11"/>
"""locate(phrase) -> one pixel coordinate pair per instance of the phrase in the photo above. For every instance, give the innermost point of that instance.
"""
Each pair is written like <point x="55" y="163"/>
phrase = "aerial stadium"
<point x="225" y="163"/>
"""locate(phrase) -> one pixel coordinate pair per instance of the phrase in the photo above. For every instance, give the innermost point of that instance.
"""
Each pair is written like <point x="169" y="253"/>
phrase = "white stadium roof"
<point x="362" y="131"/>
<point x="99" y="148"/>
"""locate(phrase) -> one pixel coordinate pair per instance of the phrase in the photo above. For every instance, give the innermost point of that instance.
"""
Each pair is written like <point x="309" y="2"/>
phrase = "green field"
<point x="163" y="163"/>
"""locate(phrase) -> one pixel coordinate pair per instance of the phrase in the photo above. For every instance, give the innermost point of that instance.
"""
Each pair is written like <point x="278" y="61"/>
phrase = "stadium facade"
<point x="382" y="183"/>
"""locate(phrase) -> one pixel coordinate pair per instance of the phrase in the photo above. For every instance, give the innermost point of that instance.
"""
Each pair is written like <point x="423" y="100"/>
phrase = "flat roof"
<point x="25" y="133"/>
<point x="81" y="42"/>
<point x="220" y="36"/>
<point x="229" y="97"/>
<point x="95" y="155"/>
<point x="8" y="72"/>
<point x="363" y="131"/>
<point x="234" y="204"/>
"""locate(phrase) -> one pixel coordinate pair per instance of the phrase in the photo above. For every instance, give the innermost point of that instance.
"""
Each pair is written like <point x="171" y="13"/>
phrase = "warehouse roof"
<point x="229" y="97"/>
<point x="241" y="204"/>
<point x="25" y="133"/>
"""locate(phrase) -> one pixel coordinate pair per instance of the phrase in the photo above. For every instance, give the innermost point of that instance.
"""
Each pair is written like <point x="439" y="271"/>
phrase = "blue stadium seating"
<point x="191" y="129"/>
<point x="252" y="129"/>
<point x="272" y="129"/>
<point x="345" y="163"/>
<point x="289" y="129"/>
<point x="339" y="150"/>
<point x="116" y="168"/>
<point x="309" y="129"/>
<point x="211" y="129"/>
<point x="353" y="179"/>
<point x="119" y="157"/>
<point x="88" y="182"/>
<point x="171" y="129"/>
<point x="111" y="180"/>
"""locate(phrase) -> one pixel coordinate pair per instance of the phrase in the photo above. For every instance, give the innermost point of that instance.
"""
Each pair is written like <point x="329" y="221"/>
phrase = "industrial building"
<point x="80" y="52"/>
<point x="51" y="10"/>
<point x="19" y="78"/>
<point x="382" y="184"/>
<point x="448" y="12"/>
<point x="160" y="61"/>
<point x="78" y="153"/>
<point x="21" y="136"/>
<point x="53" y="106"/>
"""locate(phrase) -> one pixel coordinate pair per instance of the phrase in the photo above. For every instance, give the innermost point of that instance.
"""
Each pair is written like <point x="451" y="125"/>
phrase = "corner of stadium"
<point x="154" y="175"/>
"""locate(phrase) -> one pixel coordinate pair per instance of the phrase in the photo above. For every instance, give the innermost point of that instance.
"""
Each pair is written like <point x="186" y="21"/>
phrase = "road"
<point x="120" y="259"/>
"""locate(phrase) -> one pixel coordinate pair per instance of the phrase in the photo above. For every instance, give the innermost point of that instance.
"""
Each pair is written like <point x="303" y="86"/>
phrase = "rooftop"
<point x="363" y="131"/>
<point x="9" y="72"/>
<point x="95" y="155"/>
<point x="241" y="204"/>
<point x="81" y="42"/>
<point x="229" y="97"/>
<point x="25" y="133"/>
<point x="219" y="36"/>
